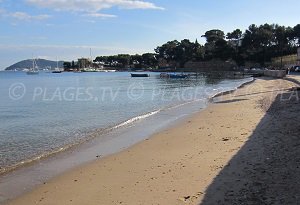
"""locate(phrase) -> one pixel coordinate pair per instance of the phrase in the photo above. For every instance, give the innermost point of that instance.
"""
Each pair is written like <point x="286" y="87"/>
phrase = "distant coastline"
<point x="42" y="64"/>
<point x="235" y="50"/>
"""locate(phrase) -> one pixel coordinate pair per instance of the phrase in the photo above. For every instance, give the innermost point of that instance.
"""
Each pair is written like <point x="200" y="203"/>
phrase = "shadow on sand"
<point x="229" y="101"/>
<point x="266" y="170"/>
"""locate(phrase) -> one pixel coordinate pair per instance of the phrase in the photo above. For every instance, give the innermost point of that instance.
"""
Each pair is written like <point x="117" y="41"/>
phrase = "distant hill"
<point x="41" y="63"/>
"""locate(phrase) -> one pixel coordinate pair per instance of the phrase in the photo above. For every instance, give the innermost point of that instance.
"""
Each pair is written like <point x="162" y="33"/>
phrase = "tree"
<point x="216" y="46"/>
<point x="103" y="59"/>
<point x="149" y="60"/>
<point x="73" y="65"/>
<point x="136" y="60"/>
<point x="168" y="51"/>
<point x="185" y="51"/>
<point x="181" y="52"/>
<point x="198" y="52"/>
<point x="296" y="34"/>
<point x="235" y="37"/>
<point x="234" y="41"/>
<point x="123" y="60"/>
<point x="281" y="40"/>
<point x="67" y="65"/>
<point x="258" y="44"/>
<point x="256" y="41"/>
<point x="214" y="35"/>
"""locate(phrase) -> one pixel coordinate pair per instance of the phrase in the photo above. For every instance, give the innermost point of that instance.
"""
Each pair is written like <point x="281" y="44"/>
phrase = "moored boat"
<point x="143" y="75"/>
<point x="34" y="70"/>
<point x="164" y="75"/>
<point x="178" y="76"/>
<point x="170" y="75"/>
<point x="56" y="71"/>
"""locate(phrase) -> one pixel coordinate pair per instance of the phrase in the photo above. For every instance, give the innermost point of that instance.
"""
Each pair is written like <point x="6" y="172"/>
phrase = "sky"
<point x="67" y="29"/>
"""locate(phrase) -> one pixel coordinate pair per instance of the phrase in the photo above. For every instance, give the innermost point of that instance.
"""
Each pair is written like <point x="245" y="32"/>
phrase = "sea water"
<point x="47" y="113"/>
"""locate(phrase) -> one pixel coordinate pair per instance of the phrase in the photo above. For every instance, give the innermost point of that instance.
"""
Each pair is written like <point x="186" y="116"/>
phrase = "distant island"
<point x="42" y="64"/>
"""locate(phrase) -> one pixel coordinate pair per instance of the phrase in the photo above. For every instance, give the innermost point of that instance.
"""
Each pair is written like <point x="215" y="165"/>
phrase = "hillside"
<point x="41" y="63"/>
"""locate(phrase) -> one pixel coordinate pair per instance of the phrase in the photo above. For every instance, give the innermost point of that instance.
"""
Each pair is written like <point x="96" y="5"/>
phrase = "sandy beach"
<point x="242" y="149"/>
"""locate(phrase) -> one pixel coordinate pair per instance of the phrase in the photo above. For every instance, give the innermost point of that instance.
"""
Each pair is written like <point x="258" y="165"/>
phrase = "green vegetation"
<point x="70" y="66"/>
<point x="146" y="60"/>
<point x="257" y="45"/>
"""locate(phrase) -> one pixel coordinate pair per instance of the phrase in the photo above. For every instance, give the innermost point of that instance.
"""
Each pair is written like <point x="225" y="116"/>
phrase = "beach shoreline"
<point x="20" y="180"/>
<point x="174" y="166"/>
<point x="74" y="137"/>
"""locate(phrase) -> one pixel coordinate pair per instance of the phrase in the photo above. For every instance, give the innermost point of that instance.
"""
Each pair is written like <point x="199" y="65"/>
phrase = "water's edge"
<point x="93" y="134"/>
<point x="24" y="179"/>
<point x="211" y="98"/>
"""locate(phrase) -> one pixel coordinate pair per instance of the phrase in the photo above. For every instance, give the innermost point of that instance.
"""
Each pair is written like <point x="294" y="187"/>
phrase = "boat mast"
<point x="90" y="66"/>
<point x="91" y="53"/>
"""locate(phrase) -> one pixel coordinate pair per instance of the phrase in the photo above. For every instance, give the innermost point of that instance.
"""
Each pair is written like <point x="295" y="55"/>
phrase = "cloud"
<point x="92" y="6"/>
<point x="27" y="17"/>
<point x="22" y="16"/>
<point x="100" y="15"/>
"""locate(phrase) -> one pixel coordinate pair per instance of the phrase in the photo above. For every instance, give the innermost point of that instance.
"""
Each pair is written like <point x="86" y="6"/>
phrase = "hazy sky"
<point x="66" y="29"/>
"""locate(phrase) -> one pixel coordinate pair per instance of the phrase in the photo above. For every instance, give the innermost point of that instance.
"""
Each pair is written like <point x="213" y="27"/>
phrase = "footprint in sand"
<point x="191" y="198"/>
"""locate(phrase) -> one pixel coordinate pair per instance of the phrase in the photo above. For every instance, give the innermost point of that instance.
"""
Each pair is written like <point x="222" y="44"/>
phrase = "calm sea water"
<point x="41" y="114"/>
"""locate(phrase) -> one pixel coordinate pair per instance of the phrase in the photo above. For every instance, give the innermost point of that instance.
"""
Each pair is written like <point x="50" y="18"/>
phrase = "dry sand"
<point x="240" y="150"/>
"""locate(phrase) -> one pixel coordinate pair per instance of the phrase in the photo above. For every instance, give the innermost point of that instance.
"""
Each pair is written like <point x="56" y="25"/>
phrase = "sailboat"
<point x="57" y="70"/>
<point x="34" y="70"/>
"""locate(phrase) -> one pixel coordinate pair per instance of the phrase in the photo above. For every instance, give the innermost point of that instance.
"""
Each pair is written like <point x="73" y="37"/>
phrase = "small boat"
<point x="56" y="71"/>
<point x="164" y="75"/>
<point x="77" y="71"/>
<point x="34" y="70"/>
<point x="170" y="75"/>
<point x="178" y="76"/>
<point x="141" y="75"/>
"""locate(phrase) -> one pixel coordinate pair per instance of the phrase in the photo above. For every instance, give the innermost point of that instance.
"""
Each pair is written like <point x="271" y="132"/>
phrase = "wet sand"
<point x="218" y="156"/>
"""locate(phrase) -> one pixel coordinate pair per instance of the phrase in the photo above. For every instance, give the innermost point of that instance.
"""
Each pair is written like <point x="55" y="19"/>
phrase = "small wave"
<point x="88" y="137"/>
<point x="34" y="159"/>
<point x="132" y="120"/>
<point x="230" y="90"/>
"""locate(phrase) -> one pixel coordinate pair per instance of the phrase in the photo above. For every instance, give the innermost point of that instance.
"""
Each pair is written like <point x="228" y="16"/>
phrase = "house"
<point x="84" y="63"/>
